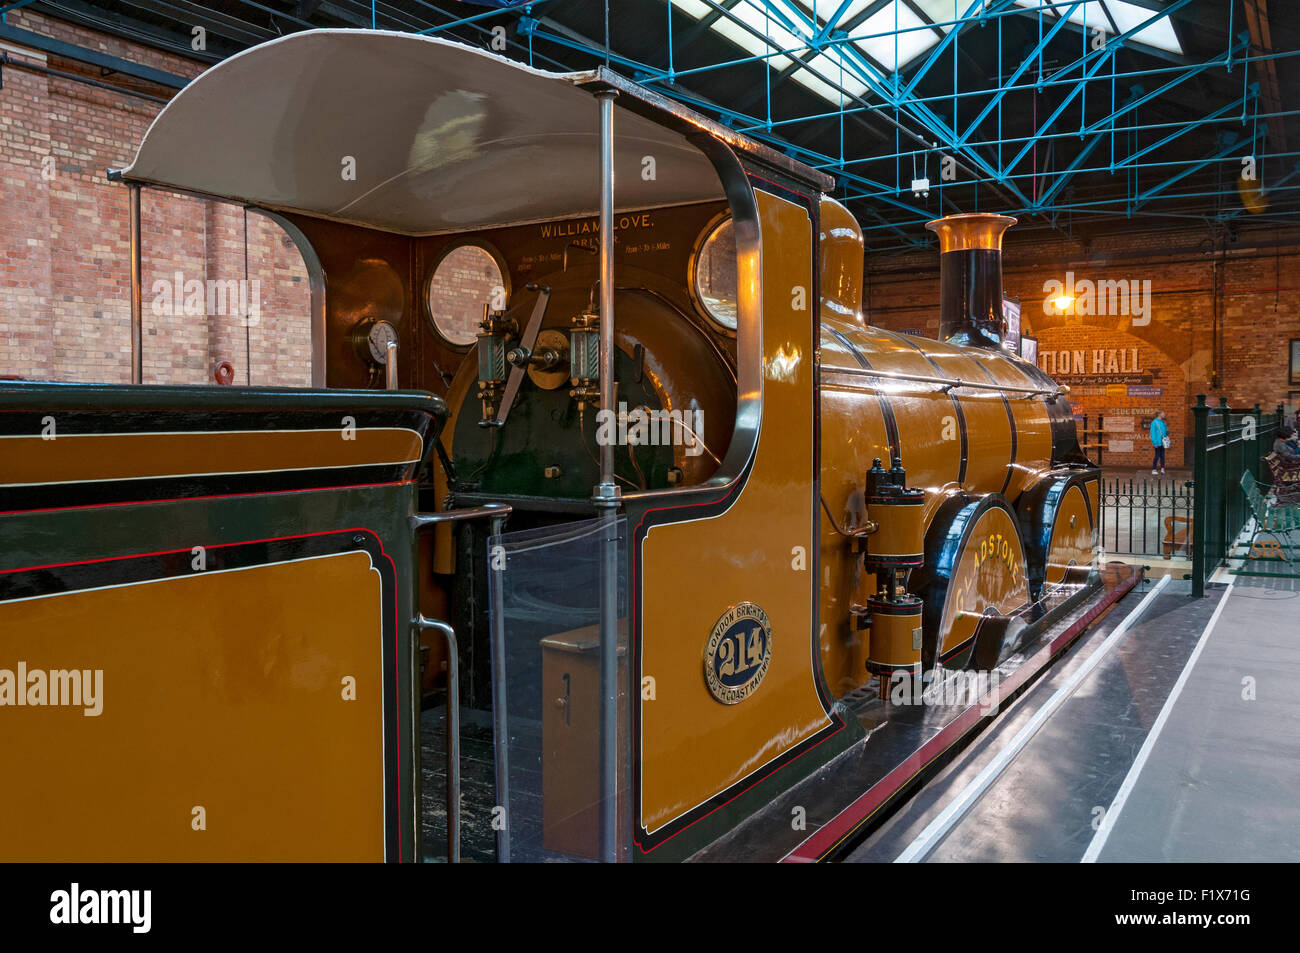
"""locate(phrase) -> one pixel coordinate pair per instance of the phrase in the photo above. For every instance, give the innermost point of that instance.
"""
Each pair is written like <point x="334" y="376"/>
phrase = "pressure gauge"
<point x="373" y="338"/>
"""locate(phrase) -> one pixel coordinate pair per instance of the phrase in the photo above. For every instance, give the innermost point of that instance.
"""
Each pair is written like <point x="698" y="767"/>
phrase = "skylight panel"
<point x="695" y="8"/>
<point x="1088" y="15"/>
<point x="894" y="49"/>
<point x="784" y="40"/>
<point x="768" y="25"/>
<point x="834" y="68"/>
<point x="1159" y="34"/>
<point x="825" y="90"/>
<point x="826" y="9"/>
<point x="752" y="44"/>
<point x="944" y="11"/>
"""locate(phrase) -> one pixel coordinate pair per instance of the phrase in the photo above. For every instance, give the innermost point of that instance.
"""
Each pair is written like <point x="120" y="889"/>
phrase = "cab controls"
<point x="371" y="339"/>
<point x="494" y="330"/>
<point x="584" y="358"/>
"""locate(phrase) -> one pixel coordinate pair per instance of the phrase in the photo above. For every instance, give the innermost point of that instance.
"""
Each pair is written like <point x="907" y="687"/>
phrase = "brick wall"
<point x="1258" y="304"/>
<point x="463" y="282"/>
<point x="64" y="266"/>
<point x="64" y="279"/>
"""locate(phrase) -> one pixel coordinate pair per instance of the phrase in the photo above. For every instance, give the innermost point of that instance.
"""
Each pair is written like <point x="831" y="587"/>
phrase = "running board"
<point x="904" y="738"/>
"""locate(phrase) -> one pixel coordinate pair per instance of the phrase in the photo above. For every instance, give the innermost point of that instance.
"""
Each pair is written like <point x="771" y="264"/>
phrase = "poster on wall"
<point x="1295" y="360"/>
<point x="1118" y="382"/>
<point x="1011" y="314"/>
<point x="1145" y="390"/>
<point x="1029" y="348"/>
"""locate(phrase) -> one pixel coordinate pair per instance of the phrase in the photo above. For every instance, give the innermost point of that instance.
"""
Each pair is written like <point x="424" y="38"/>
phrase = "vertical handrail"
<point x="390" y="366"/>
<point x="1222" y="514"/>
<point x="1200" y="476"/>
<point x="606" y="498"/>
<point x="1131" y="490"/>
<point x="1236" y="466"/>
<point x="497" y="513"/>
<point x="137" y="290"/>
<point x="1101" y="505"/>
<point x="1160" y="526"/>
<point x="1257" y="458"/>
<point x="453" y="732"/>
<point x="500" y="727"/>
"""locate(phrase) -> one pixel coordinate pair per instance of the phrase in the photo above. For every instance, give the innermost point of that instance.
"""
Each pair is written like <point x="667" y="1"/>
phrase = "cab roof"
<point x="421" y="136"/>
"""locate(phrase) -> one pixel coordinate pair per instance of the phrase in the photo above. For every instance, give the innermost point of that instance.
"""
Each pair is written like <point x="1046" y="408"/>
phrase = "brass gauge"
<point x="372" y="339"/>
<point x="549" y="368"/>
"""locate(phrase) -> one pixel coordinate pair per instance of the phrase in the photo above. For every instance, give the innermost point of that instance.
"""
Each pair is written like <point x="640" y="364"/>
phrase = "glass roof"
<point x="788" y="33"/>
<point x="1116" y="17"/>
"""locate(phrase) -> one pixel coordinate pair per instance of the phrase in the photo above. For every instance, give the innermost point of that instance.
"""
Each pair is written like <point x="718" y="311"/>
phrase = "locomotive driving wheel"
<point x="975" y="585"/>
<point x="1057" y="519"/>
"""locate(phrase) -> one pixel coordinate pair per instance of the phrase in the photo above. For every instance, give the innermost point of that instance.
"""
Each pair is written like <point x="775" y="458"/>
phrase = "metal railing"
<point x="1226" y="443"/>
<point x="497" y="513"/>
<point x="1146" y="517"/>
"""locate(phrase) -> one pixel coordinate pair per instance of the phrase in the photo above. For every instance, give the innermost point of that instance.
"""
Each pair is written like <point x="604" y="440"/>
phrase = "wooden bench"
<point x="1277" y="520"/>
<point x="1178" y="535"/>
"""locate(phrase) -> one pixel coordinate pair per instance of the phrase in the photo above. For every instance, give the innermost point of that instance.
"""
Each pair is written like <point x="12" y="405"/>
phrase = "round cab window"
<point x="467" y="278"/>
<point x="715" y="275"/>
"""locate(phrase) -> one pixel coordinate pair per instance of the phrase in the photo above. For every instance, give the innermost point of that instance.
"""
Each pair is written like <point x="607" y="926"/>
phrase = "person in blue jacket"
<point x="1159" y="433"/>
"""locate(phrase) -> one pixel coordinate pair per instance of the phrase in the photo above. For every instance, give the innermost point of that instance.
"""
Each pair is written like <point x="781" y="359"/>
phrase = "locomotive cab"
<point x="737" y="512"/>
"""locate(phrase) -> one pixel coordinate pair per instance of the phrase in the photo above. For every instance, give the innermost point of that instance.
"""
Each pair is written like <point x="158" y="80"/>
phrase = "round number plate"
<point x="738" y="654"/>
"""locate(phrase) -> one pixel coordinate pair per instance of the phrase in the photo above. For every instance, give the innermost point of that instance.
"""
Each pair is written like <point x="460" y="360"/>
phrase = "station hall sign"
<point x="1098" y="364"/>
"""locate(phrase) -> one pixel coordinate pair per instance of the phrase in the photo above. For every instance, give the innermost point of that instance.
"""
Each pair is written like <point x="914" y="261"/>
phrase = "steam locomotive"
<point x="673" y="519"/>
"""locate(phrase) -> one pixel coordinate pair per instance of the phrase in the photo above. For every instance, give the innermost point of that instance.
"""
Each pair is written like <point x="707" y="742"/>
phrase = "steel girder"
<point x="987" y="159"/>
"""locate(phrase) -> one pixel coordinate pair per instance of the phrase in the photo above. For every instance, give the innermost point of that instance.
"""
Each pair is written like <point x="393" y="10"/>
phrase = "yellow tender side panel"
<point x="222" y="691"/>
<point x="692" y="746"/>
<point x="74" y="458"/>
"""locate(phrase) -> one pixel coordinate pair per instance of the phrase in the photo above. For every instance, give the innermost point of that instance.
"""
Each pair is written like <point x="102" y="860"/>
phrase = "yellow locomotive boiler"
<point x="668" y="524"/>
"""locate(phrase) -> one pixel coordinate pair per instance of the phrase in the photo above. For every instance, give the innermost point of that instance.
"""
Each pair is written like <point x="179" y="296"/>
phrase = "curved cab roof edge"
<point x="421" y="136"/>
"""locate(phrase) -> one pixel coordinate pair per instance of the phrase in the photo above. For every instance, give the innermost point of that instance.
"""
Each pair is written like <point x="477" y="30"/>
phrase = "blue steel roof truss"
<point x="1110" y="81"/>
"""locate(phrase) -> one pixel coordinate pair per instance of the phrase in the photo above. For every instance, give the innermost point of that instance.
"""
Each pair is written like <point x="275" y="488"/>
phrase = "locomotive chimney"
<point x="970" y="278"/>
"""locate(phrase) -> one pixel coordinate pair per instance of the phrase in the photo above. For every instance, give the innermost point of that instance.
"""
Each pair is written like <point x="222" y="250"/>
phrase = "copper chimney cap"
<point x="971" y="230"/>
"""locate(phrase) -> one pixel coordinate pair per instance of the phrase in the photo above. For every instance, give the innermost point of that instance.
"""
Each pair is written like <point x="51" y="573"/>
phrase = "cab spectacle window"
<point x="467" y="278"/>
<point x="714" y="281"/>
